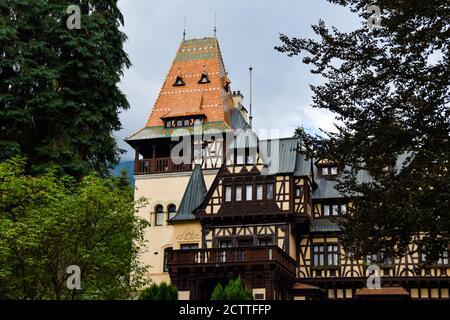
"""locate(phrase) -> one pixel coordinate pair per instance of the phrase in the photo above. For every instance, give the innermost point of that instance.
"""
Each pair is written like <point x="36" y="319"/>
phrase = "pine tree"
<point x="389" y="88"/>
<point x="59" y="99"/>
<point x="235" y="290"/>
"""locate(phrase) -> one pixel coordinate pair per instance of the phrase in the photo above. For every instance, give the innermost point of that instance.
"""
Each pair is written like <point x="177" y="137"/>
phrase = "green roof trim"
<point x="163" y="132"/>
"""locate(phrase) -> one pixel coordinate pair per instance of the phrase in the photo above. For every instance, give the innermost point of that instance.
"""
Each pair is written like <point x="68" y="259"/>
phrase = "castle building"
<point x="224" y="203"/>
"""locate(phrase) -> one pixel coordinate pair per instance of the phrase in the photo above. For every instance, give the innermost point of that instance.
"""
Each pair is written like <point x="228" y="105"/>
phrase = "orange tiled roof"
<point x="194" y="57"/>
<point x="396" y="291"/>
<point x="304" y="286"/>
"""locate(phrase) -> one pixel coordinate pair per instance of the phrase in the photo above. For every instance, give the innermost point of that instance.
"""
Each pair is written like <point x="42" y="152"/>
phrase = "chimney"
<point x="237" y="98"/>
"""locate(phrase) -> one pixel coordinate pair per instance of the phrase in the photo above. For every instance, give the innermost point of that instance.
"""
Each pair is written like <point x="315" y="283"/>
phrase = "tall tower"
<point x="195" y="106"/>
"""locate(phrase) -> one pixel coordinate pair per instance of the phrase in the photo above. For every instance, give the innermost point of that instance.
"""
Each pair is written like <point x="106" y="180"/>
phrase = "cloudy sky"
<point x="248" y="31"/>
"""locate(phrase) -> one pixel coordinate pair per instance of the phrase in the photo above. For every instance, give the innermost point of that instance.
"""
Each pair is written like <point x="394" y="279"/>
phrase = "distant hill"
<point x="128" y="166"/>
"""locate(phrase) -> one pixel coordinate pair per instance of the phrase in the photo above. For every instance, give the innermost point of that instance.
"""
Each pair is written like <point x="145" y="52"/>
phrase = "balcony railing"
<point x="159" y="165"/>
<point x="228" y="256"/>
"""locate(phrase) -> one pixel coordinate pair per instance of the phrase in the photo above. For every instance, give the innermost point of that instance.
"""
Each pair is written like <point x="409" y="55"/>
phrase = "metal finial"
<point x="184" y="29"/>
<point x="215" y="24"/>
<point x="251" y="96"/>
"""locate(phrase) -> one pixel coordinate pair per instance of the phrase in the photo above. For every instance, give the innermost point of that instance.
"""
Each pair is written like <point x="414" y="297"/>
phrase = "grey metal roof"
<point x="282" y="156"/>
<point x="303" y="165"/>
<point x="323" y="225"/>
<point x="237" y="120"/>
<point x="326" y="188"/>
<point x="193" y="196"/>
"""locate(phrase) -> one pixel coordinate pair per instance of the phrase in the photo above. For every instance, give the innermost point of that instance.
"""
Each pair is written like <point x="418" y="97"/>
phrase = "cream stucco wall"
<point x="164" y="189"/>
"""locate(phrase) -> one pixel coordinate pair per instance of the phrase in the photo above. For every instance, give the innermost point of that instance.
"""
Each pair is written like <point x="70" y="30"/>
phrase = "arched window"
<point x="159" y="215"/>
<point x="172" y="209"/>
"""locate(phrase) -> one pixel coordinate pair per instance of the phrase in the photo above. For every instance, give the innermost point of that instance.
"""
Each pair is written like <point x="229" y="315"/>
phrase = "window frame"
<point x="325" y="253"/>
<point x="236" y="188"/>
<point x="272" y="191"/>
<point x="225" y="193"/>
<point x="169" y="211"/>
<point x="247" y="186"/>
<point x="159" y="214"/>
<point x="165" y="254"/>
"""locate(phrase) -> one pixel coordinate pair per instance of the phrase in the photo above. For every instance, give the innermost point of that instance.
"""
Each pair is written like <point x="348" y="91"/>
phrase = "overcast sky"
<point x="247" y="31"/>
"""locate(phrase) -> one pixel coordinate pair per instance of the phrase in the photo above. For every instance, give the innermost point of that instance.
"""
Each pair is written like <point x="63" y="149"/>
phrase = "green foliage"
<point x="59" y="98"/>
<point x="235" y="290"/>
<point x="389" y="87"/>
<point x="163" y="291"/>
<point x="50" y="222"/>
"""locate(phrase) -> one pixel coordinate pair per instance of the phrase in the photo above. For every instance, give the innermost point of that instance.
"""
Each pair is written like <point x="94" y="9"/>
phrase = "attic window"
<point x="329" y="171"/>
<point x="204" y="79"/>
<point x="179" y="82"/>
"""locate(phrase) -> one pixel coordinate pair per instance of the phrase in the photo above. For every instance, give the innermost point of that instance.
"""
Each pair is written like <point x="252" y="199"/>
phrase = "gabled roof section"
<point x="195" y="58"/>
<point x="283" y="156"/>
<point x="193" y="196"/>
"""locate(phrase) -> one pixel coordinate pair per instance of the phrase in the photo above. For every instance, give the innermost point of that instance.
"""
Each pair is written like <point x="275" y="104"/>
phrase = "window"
<point x="159" y="215"/>
<point x="259" y="192"/>
<point x="269" y="191"/>
<point x="329" y="171"/>
<point x="179" y="123"/>
<point x="245" y="242"/>
<point x="266" y="241"/>
<point x="227" y="194"/>
<point x="187" y="123"/>
<point x="334" y="209"/>
<point x="204" y="79"/>
<point x="326" y="255"/>
<point x="379" y="258"/>
<point x="443" y="258"/>
<point x="188" y="246"/>
<point x="249" y="192"/>
<point x="298" y="192"/>
<point x="225" y="244"/>
<point x="166" y="259"/>
<point x="319" y="255"/>
<point x="250" y="158"/>
<point x="326" y="210"/>
<point x="168" y="124"/>
<point x="172" y="209"/>
<point x="332" y="255"/>
<point x="179" y="82"/>
<point x="239" y="193"/>
<point x="240" y="158"/>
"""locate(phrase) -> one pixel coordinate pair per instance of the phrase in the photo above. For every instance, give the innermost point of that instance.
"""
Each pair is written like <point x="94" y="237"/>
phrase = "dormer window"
<point x="328" y="171"/>
<point x="204" y="79"/>
<point x="179" y="82"/>
<point x="182" y="122"/>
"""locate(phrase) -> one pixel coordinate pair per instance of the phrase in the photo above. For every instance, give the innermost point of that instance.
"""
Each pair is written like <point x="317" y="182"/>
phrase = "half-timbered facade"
<point x="223" y="203"/>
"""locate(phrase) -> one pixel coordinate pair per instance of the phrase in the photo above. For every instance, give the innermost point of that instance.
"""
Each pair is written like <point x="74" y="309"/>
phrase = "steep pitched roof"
<point x="193" y="196"/>
<point x="283" y="156"/>
<point x="194" y="58"/>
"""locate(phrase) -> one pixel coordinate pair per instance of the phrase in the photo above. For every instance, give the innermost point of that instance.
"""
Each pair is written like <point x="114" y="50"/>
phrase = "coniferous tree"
<point x="234" y="290"/>
<point x="59" y="99"/>
<point x="389" y="88"/>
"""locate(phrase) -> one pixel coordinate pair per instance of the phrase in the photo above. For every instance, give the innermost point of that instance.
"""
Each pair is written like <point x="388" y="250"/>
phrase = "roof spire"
<point x="184" y="29"/>
<point x="215" y="24"/>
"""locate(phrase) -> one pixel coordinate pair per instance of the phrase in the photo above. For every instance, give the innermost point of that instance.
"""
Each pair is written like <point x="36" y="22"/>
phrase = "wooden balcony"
<point x="159" y="165"/>
<point x="216" y="257"/>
